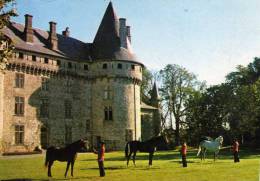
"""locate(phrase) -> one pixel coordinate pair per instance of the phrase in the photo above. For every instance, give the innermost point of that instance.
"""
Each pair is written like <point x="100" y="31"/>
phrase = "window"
<point x="68" y="109"/>
<point x="68" y="134"/>
<point x="87" y="125"/>
<point x="58" y="62"/>
<point x="68" y="86"/>
<point x="19" y="80"/>
<point x="34" y="58"/>
<point x="119" y="66"/>
<point x="85" y="67"/>
<point x="133" y="67"/>
<point x="20" y="55"/>
<point x="104" y="66"/>
<point x="108" y="113"/>
<point x="69" y="65"/>
<point x="19" y="106"/>
<point x="46" y="60"/>
<point x="44" y="108"/>
<point x="19" y="134"/>
<point x="45" y="84"/>
<point x="107" y="93"/>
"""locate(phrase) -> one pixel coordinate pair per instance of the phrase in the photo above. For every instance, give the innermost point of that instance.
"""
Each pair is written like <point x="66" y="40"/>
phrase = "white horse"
<point x="212" y="146"/>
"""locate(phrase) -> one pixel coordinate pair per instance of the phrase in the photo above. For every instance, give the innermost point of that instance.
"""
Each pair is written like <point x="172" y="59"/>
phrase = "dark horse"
<point x="146" y="146"/>
<point x="67" y="154"/>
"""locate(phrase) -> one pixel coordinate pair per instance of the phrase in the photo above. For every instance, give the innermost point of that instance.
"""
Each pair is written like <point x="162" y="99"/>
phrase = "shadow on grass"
<point x="29" y="179"/>
<point x="106" y="168"/>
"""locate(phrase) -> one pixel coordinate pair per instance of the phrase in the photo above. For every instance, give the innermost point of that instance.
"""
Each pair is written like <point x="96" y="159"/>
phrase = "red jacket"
<point x="183" y="150"/>
<point x="101" y="153"/>
<point x="235" y="146"/>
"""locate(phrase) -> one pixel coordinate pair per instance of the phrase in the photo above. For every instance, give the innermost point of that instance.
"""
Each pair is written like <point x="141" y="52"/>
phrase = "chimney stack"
<point x="28" y="31"/>
<point x="122" y="32"/>
<point x="128" y="33"/>
<point x="66" y="33"/>
<point x="53" y="39"/>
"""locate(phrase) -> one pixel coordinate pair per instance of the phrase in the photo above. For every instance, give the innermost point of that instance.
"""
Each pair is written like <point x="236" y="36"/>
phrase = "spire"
<point x="155" y="94"/>
<point x="107" y="39"/>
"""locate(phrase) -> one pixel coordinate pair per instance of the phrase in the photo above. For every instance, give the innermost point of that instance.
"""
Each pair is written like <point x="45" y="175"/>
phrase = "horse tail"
<point x="126" y="149"/>
<point x="199" y="150"/>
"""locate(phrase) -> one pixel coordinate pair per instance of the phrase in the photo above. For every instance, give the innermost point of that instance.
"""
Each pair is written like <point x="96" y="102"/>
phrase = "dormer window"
<point x="133" y="67"/>
<point x="46" y="60"/>
<point x="69" y="65"/>
<point x="85" y="66"/>
<point x="34" y="58"/>
<point x="58" y="62"/>
<point x="20" y="55"/>
<point x="119" y="66"/>
<point x="104" y="66"/>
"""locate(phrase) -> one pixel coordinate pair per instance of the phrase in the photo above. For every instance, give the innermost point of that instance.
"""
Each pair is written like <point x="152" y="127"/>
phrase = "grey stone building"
<point x="57" y="89"/>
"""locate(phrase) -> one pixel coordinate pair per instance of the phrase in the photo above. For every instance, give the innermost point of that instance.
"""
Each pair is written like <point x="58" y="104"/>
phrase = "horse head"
<point x="220" y="139"/>
<point x="83" y="144"/>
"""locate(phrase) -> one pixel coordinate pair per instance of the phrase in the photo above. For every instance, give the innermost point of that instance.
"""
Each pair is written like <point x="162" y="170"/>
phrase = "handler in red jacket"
<point x="183" y="154"/>
<point x="235" y="148"/>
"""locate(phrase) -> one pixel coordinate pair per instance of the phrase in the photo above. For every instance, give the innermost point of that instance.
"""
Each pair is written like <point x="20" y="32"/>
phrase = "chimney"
<point x="28" y="31"/>
<point x="122" y="32"/>
<point x="53" y="39"/>
<point x="128" y="33"/>
<point x="66" y="33"/>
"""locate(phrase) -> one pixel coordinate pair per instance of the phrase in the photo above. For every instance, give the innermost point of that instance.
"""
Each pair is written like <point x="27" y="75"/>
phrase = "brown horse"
<point x="67" y="154"/>
<point x="148" y="146"/>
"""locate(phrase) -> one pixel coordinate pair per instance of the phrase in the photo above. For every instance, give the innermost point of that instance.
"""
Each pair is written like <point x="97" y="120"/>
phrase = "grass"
<point x="166" y="167"/>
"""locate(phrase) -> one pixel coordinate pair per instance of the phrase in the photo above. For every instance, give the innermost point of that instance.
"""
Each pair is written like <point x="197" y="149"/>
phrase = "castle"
<point x="57" y="89"/>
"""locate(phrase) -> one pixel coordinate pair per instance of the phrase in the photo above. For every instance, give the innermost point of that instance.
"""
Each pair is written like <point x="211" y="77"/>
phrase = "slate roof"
<point x="106" y="44"/>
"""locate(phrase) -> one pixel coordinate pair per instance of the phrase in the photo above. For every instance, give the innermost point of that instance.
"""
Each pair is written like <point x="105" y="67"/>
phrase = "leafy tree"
<point x="5" y="44"/>
<point x="178" y="85"/>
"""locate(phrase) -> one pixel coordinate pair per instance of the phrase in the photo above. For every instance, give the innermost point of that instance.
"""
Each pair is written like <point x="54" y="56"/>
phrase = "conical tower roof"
<point x="154" y="93"/>
<point x="106" y="44"/>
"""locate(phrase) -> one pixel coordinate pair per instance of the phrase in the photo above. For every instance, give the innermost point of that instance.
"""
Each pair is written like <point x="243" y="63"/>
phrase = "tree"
<point x="146" y="86"/>
<point x="5" y="43"/>
<point x="178" y="85"/>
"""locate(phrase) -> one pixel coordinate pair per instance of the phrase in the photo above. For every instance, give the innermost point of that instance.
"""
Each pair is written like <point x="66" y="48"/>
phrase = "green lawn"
<point x="166" y="167"/>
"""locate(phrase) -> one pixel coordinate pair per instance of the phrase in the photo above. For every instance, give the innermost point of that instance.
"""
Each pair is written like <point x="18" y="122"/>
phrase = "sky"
<point x="207" y="37"/>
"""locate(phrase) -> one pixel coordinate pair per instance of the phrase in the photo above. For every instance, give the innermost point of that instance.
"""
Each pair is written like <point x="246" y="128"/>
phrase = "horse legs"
<point x="128" y="157"/>
<point x="134" y="158"/>
<point x="150" y="158"/>
<point x="72" y="165"/>
<point x="68" y="165"/>
<point x="49" y="168"/>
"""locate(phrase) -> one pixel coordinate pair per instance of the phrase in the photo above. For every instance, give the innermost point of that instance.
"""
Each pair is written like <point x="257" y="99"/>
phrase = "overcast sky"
<point x="208" y="37"/>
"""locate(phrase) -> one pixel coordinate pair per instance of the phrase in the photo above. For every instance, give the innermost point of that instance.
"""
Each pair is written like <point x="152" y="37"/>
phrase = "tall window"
<point x="85" y="66"/>
<point x="44" y="108"/>
<point x="68" y="86"/>
<point x="68" y="134"/>
<point x="19" y="106"/>
<point x="45" y="84"/>
<point x="68" y="109"/>
<point x="19" y="134"/>
<point x="108" y="113"/>
<point x="87" y="125"/>
<point x="107" y="93"/>
<point x="19" y="80"/>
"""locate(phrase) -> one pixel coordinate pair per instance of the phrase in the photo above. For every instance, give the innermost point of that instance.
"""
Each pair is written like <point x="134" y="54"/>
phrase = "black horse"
<point x="67" y="154"/>
<point x="146" y="146"/>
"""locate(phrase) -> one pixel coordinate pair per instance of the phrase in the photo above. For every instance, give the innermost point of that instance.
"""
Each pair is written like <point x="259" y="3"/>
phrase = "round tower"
<point x="116" y="116"/>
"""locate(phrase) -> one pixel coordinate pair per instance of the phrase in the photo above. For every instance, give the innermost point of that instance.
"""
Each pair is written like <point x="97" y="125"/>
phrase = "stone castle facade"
<point x="57" y="89"/>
